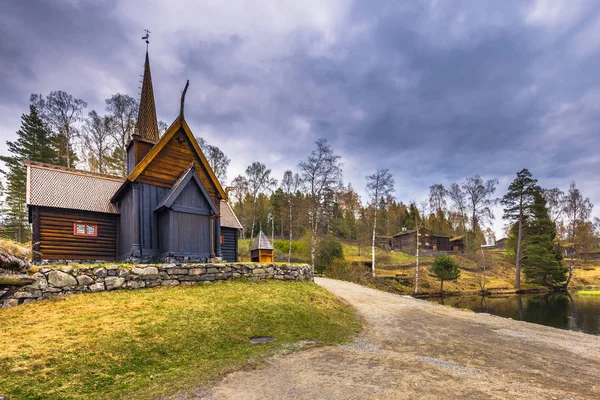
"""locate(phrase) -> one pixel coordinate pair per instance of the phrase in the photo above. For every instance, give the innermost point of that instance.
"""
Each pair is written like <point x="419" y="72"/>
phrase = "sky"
<point x="435" y="91"/>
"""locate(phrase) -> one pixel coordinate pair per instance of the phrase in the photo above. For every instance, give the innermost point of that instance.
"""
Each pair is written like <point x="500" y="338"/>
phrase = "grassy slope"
<point x="146" y="343"/>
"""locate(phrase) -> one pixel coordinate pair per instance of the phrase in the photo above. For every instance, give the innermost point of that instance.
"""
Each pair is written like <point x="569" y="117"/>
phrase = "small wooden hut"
<point x="262" y="249"/>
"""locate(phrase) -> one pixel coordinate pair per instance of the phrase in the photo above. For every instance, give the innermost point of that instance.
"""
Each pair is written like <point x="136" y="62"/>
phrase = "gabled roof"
<point x="176" y="126"/>
<point x="228" y="217"/>
<point x="55" y="186"/>
<point x="261" y="242"/>
<point x="187" y="175"/>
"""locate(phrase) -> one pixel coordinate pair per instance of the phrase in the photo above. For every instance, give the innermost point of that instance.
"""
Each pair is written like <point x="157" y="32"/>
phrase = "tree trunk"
<point x="373" y="243"/>
<point x="518" y="260"/>
<point x="442" y="286"/>
<point x="417" y="267"/>
<point x="290" y="249"/>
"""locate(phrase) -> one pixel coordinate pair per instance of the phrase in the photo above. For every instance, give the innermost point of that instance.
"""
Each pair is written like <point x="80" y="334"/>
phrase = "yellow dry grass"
<point x="141" y="344"/>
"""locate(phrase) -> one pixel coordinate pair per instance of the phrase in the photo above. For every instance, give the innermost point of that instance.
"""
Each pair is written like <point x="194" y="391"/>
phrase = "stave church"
<point x="169" y="208"/>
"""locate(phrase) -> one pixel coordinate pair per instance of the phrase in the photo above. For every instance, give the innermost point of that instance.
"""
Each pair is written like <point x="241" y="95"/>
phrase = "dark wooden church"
<point x="170" y="207"/>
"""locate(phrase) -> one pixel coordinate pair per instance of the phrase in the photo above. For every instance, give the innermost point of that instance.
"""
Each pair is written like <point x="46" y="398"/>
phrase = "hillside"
<point x="396" y="270"/>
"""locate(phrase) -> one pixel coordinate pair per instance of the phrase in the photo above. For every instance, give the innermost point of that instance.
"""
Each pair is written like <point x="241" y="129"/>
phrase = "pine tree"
<point x="516" y="200"/>
<point x="541" y="261"/>
<point x="33" y="143"/>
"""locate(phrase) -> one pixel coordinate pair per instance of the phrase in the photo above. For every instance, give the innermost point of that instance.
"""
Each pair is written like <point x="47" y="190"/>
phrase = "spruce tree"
<point x="541" y="261"/>
<point x="516" y="201"/>
<point x="33" y="143"/>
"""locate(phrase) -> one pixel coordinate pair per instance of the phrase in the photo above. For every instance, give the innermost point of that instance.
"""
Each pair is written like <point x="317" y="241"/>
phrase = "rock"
<point x="27" y="294"/>
<point x="97" y="287"/>
<point x="123" y="272"/>
<point x="113" y="282"/>
<point x="135" y="284"/>
<point x="177" y="271"/>
<point x="170" y="282"/>
<point x="258" y="271"/>
<point x="212" y="270"/>
<point x="66" y="269"/>
<point x="84" y="280"/>
<point x="16" y="280"/>
<point x="146" y="273"/>
<point x="100" y="272"/>
<point x="60" y="279"/>
<point x="197" y="271"/>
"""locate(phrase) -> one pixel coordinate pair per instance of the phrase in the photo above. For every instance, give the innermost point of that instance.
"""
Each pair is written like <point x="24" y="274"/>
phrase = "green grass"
<point x="150" y="343"/>
<point x="588" y="293"/>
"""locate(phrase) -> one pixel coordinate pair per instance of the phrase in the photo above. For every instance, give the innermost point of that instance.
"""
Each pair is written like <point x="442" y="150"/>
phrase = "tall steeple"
<point x="147" y="124"/>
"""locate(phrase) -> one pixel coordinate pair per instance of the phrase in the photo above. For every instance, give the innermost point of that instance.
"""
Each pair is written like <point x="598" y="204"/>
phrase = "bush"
<point x="346" y="270"/>
<point x="328" y="250"/>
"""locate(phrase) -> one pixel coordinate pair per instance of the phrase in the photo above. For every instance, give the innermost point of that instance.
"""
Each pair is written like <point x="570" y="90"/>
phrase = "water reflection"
<point x="560" y="310"/>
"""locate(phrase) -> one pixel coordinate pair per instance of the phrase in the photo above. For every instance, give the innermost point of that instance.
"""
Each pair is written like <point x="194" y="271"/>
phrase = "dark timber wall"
<point x="54" y="228"/>
<point x="229" y="248"/>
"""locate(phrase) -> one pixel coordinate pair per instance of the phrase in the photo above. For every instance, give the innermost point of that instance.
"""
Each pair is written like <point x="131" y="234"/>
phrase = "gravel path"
<point x="414" y="349"/>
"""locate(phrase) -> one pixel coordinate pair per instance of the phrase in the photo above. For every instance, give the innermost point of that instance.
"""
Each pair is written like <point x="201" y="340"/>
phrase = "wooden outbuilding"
<point x="169" y="207"/>
<point x="501" y="244"/>
<point x="407" y="241"/>
<point x="457" y="244"/>
<point x="261" y="249"/>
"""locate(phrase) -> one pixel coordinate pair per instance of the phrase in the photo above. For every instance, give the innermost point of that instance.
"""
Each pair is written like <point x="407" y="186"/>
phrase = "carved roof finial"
<point x="183" y="99"/>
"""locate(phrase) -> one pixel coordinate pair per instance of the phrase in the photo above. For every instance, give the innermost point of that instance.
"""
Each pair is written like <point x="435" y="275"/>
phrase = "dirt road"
<point x="414" y="349"/>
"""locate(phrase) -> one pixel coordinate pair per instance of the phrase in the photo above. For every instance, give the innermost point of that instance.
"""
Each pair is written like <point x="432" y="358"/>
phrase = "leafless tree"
<point x="379" y="185"/>
<point x="321" y="173"/>
<point x="459" y="202"/>
<point x="96" y="141"/>
<point x="123" y="110"/>
<point x="259" y="181"/>
<point x="577" y="210"/>
<point x="290" y="184"/>
<point x="419" y="223"/>
<point x="554" y="203"/>
<point x="217" y="160"/>
<point x="479" y="199"/>
<point x="437" y="201"/>
<point x="62" y="112"/>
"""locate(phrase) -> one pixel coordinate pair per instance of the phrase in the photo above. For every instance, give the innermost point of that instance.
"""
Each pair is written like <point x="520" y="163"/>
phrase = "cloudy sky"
<point x="433" y="90"/>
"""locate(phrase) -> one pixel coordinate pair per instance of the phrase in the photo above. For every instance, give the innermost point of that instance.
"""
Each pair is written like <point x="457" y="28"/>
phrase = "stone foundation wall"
<point x="59" y="282"/>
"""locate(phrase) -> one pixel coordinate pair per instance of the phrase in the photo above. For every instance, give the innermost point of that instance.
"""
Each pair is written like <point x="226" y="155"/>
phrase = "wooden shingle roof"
<point x="261" y="242"/>
<point x="147" y="123"/>
<point x="60" y="187"/>
<point x="228" y="217"/>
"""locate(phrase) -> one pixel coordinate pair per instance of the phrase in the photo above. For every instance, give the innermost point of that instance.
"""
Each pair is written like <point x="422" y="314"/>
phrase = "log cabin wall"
<point x="126" y="225"/>
<point x="229" y="246"/>
<point x="57" y="241"/>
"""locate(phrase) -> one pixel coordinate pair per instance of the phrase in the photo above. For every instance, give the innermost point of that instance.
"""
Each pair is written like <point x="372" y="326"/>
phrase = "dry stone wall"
<point x="59" y="282"/>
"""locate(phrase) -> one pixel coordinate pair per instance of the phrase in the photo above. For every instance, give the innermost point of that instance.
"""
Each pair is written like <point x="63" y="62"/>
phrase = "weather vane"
<point x="146" y="37"/>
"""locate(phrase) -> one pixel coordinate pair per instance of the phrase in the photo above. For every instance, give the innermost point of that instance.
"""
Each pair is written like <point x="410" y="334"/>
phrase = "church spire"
<point x="147" y="124"/>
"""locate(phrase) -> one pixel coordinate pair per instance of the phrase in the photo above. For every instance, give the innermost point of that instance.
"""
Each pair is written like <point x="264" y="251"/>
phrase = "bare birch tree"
<point x="577" y="210"/>
<point x="96" y="141"/>
<point x="419" y="223"/>
<point x="290" y="184"/>
<point x="379" y="185"/>
<point x="62" y="112"/>
<point x="479" y="199"/>
<point x="259" y="181"/>
<point x="321" y="173"/>
<point x="459" y="202"/>
<point x="123" y="110"/>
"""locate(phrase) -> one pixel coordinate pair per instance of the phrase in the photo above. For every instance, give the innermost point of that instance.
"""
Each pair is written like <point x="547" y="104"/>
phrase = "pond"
<point x="560" y="310"/>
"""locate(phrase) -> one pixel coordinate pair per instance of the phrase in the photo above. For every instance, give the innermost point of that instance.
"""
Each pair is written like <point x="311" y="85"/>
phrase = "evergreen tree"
<point x="445" y="269"/>
<point x="541" y="261"/>
<point x="516" y="201"/>
<point x="33" y="143"/>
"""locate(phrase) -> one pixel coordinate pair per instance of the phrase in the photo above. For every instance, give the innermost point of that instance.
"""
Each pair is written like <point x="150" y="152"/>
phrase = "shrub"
<point x="445" y="269"/>
<point x="328" y="250"/>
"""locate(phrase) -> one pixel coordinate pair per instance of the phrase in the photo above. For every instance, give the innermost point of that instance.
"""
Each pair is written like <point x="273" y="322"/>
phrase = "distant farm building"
<point x="406" y="241"/>
<point x="501" y="244"/>
<point x="457" y="244"/>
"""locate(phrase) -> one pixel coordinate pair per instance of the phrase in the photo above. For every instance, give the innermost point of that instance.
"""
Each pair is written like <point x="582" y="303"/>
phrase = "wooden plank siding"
<point x="57" y="241"/>
<point x="229" y="248"/>
<point x="173" y="159"/>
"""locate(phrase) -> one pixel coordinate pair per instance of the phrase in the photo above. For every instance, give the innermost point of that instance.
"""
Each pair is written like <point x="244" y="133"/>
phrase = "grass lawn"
<point x="588" y="293"/>
<point x="149" y="343"/>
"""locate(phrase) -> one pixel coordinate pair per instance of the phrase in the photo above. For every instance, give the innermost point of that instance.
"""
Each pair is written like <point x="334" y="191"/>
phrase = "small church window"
<point x="81" y="229"/>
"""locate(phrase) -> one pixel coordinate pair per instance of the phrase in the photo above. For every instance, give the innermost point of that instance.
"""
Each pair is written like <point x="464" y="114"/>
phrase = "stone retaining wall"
<point x="59" y="282"/>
